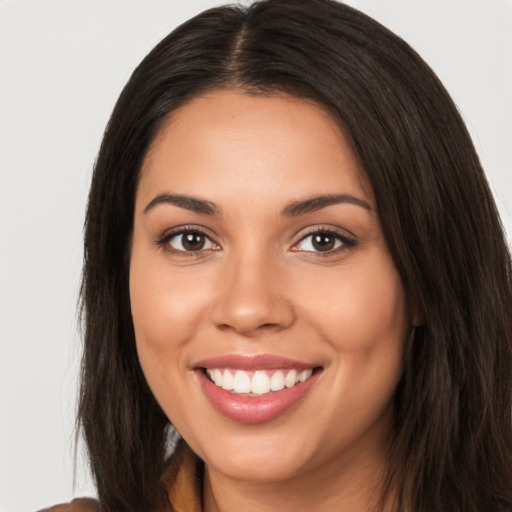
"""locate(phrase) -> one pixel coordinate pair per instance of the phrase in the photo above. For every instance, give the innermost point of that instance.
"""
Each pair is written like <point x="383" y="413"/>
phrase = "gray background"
<point x="62" y="66"/>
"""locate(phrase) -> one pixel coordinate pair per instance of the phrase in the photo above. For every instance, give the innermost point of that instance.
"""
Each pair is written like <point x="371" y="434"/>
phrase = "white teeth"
<point x="277" y="381"/>
<point x="290" y="379"/>
<point x="258" y="382"/>
<point x="228" y="382"/>
<point x="242" y="382"/>
<point x="304" y="375"/>
<point x="217" y="377"/>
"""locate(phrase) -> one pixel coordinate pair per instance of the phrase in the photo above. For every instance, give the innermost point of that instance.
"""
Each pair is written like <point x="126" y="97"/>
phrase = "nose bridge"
<point x="250" y="294"/>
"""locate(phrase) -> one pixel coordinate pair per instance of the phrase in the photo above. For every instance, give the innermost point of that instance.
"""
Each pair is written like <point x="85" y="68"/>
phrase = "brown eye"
<point x="323" y="241"/>
<point x="193" y="241"/>
<point x="190" y="241"/>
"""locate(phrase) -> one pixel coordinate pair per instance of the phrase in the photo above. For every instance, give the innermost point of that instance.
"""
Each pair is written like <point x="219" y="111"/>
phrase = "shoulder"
<point x="77" y="505"/>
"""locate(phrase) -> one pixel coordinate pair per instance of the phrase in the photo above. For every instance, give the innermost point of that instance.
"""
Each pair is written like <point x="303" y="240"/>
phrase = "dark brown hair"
<point x="451" y="448"/>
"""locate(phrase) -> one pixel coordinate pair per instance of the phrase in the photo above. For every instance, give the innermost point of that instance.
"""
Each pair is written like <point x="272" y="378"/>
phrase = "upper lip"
<point x="252" y="362"/>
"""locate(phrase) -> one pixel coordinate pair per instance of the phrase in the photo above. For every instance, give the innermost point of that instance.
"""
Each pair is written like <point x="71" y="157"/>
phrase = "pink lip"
<point x="253" y="409"/>
<point x="256" y="362"/>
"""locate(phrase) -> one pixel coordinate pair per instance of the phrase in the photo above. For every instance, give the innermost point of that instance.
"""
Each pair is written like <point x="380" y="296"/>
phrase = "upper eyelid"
<point x="178" y="230"/>
<point x="324" y="228"/>
<point x="348" y="241"/>
<point x="164" y="241"/>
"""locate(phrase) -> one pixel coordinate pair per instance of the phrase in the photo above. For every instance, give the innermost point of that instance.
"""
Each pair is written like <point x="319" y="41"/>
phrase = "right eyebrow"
<point x="194" y="204"/>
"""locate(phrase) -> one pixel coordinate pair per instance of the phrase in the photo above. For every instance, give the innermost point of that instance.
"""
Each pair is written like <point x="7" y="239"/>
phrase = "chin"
<point x="268" y="456"/>
<point x="255" y="467"/>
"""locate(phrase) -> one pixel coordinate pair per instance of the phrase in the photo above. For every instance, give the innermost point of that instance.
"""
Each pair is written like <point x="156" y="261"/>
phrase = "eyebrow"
<point x="294" y="209"/>
<point x="193" y="204"/>
<point x="316" y="203"/>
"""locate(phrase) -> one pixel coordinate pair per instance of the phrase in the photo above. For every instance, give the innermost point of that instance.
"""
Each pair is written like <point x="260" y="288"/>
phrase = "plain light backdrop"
<point x="62" y="65"/>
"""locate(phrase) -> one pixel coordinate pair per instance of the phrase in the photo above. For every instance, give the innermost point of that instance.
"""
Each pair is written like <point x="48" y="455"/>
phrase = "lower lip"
<point x="254" y="409"/>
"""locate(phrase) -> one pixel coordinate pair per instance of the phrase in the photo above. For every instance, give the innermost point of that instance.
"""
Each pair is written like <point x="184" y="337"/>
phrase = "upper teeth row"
<point x="260" y="383"/>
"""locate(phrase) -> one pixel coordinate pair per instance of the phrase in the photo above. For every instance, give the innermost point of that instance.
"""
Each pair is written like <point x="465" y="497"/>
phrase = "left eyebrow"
<point x="316" y="203"/>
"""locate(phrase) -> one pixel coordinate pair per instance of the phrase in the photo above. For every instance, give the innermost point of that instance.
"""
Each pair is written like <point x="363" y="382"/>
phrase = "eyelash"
<point x="165" y="240"/>
<point x="346" y="241"/>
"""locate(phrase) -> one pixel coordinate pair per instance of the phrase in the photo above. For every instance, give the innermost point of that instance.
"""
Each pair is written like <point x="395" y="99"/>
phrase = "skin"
<point x="261" y="287"/>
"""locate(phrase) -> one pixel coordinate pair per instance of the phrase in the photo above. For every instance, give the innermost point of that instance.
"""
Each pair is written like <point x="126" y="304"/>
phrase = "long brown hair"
<point x="451" y="448"/>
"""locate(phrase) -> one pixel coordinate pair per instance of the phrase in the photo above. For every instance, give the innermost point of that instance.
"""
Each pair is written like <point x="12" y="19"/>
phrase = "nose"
<point x="252" y="298"/>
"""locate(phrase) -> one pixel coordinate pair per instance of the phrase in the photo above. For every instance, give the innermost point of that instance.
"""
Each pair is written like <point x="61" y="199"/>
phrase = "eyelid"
<point x="164" y="238"/>
<point x="348" y="240"/>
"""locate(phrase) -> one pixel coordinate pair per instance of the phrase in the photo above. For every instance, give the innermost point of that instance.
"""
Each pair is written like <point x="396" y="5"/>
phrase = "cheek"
<point x="358" y="310"/>
<point x="164" y="307"/>
<point x="363" y="318"/>
<point x="164" y="311"/>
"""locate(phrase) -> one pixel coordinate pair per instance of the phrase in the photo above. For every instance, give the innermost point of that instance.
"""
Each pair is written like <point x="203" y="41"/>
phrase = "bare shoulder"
<point x="77" y="505"/>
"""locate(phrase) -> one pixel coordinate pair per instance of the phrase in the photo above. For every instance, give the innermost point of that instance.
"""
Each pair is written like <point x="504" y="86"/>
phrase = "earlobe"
<point x="417" y="321"/>
<point x="417" y="316"/>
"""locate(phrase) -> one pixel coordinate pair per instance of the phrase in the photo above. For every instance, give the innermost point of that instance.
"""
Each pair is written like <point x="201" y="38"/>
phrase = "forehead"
<point x="233" y="142"/>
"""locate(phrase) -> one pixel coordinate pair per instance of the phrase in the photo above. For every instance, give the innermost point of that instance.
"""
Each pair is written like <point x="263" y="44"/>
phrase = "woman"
<point x="293" y="259"/>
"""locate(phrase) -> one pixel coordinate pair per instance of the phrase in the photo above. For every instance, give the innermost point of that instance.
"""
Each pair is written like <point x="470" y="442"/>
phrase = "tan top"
<point x="180" y="479"/>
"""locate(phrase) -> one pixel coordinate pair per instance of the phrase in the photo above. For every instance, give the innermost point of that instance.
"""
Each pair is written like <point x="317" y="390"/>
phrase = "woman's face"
<point x="258" y="261"/>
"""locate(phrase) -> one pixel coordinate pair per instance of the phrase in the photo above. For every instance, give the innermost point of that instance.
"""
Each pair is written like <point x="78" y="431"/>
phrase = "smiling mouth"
<point x="257" y="382"/>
